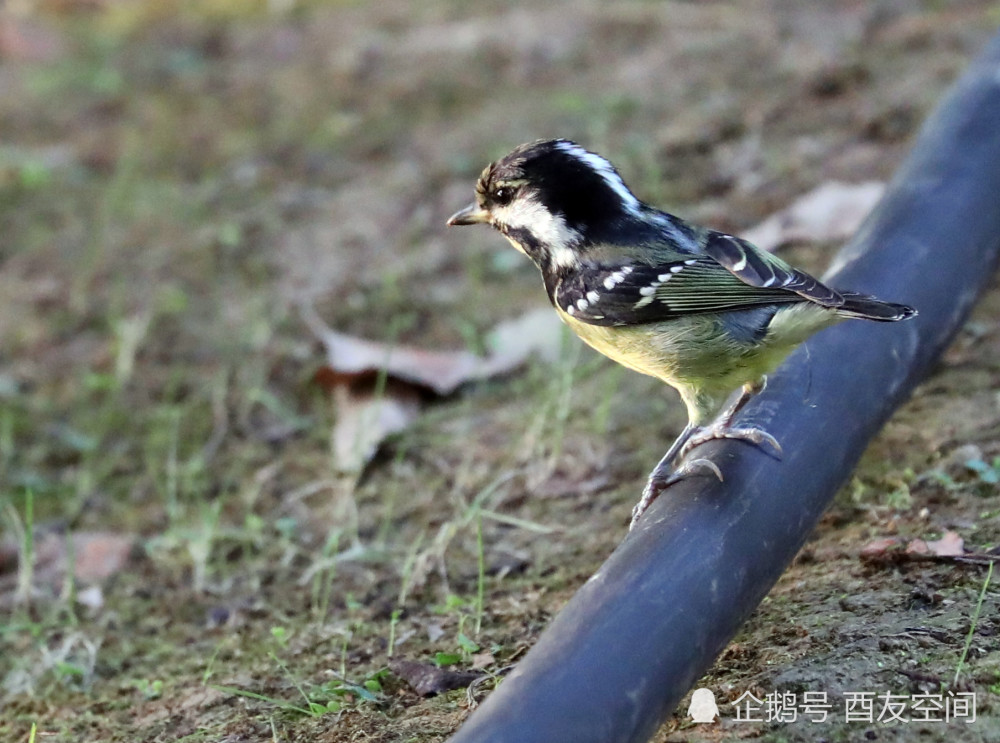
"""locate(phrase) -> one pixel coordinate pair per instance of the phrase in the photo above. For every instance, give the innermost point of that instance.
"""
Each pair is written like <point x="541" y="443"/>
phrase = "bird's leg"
<point x="722" y="428"/>
<point x="663" y="475"/>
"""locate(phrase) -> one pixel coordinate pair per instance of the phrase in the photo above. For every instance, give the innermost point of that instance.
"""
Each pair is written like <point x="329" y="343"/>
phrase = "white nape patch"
<point x="669" y="226"/>
<point x="593" y="297"/>
<point x="606" y="170"/>
<point x="548" y="229"/>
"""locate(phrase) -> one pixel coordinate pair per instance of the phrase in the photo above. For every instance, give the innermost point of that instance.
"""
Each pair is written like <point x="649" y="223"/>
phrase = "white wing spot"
<point x="643" y="302"/>
<point x="664" y="277"/>
<point x="648" y="291"/>
<point x="616" y="278"/>
<point x="593" y="296"/>
<point x="582" y="304"/>
<point x="690" y="261"/>
<point x="571" y="310"/>
<point x="676" y="269"/>
<point x="606" y="170"/>
<point x="742" y="262"/>
<point x="626" y="270"/>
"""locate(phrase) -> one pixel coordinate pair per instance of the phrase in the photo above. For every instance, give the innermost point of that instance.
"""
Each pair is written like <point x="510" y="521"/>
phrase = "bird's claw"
<point x="659" y="482"/>
<point x="756" y="436"/>
<point x="707" y="464"/>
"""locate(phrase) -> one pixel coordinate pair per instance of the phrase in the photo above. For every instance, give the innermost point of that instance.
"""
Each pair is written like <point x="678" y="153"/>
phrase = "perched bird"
<point x="703" y="311"/>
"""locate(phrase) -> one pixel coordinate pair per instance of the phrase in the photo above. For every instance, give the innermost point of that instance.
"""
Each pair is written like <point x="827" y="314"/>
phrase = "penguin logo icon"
<point x="703" y="707"/>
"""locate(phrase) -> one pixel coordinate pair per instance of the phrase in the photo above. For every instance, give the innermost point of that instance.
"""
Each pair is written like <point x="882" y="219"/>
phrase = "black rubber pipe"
<point x="617" y="660"/>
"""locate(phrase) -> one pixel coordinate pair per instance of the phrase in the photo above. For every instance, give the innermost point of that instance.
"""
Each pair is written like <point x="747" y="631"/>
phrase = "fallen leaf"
<point x="426" y="679"/>
<point x="917" y="547"/>
<point x="949" y="545"/>
<point x="95" y="556"/>
<point x="481" y="660"/>
<point x="99" y="555"/>
<point x="878" y="547"/>
<point x="831" y="211"/>
<point x="365" y="419"/>
<point x="511" y="344"/>
<point x="368" y="411"/>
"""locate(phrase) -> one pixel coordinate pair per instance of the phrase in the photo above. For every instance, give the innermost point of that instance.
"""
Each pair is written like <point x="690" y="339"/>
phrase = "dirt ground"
<point x="177" y="180"/>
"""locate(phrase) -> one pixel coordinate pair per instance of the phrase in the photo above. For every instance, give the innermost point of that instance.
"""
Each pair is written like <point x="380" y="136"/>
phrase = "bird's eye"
<point x="503" y="195"/>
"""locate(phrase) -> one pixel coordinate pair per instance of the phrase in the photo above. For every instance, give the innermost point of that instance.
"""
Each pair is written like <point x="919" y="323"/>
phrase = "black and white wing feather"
<point x="759" y="269"/>
<point x="637" y="294"/>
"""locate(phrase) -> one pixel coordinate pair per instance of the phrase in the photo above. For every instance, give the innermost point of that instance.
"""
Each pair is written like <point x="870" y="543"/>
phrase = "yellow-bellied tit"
<point x="704" y="311"/>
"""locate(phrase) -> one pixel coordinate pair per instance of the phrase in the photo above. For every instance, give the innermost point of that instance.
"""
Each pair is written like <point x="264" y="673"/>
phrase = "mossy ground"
<point x="176" y="178"/>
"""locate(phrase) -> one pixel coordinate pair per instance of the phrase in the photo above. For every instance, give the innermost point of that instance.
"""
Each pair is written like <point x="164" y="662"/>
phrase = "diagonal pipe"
<point x="623" y="652"/>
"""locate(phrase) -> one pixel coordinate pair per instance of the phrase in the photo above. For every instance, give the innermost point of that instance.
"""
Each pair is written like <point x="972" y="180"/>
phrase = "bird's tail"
<point x="870" y="308"/>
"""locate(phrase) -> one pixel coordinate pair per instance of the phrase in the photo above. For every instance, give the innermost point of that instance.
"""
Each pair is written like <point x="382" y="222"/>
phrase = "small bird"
<point x="704" y="311"/>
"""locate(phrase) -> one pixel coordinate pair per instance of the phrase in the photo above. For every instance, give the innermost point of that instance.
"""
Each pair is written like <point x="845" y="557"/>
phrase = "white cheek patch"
<point x="549" y="229"/>
<point x="607" y="171"/>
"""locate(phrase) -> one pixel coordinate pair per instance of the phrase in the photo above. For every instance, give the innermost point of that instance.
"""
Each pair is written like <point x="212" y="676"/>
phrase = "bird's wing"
<point x="756" y="268"/>
<point x="638" y="293"/>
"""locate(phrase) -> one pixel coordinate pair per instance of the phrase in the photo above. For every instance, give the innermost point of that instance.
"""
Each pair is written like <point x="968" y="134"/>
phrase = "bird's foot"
<point x="756" y="436"/>
<point x="661" y="479"/>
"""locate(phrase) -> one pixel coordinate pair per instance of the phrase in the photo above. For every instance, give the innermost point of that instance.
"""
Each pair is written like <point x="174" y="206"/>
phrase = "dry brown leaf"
<point x="949" y="545"/>
<point x="365" y="419"/>
<point x="368" y="412"/>
<point x="511" y="344"/>
<point x="831" y="211"/>
<point x="426" y="679"/>
<point x="482" y="660"/>
<point x="894" y="549"/>
<point x="917" y="547"/>
<point x="95" y="556"/>
<point x="878" y="547"/>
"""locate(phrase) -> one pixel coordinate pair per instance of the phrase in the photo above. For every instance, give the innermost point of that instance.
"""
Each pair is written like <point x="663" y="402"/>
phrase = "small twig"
<point x="470" y="691"/>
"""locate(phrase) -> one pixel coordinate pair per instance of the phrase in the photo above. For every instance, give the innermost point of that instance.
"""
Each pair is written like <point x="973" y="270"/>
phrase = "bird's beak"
<point x="472" y="214"/>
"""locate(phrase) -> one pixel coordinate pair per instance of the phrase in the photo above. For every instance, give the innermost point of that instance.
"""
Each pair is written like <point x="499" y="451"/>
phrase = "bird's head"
<point x="549" y="198"/>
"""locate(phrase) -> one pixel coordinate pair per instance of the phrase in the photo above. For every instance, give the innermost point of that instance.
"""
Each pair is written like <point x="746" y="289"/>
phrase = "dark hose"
<point x="617" y="660"/>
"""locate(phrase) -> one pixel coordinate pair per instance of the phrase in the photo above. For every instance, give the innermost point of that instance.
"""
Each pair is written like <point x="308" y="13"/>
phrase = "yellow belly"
<point x="695" y="354"/>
